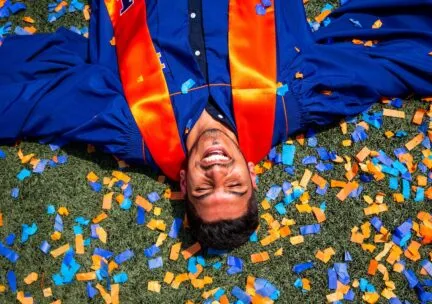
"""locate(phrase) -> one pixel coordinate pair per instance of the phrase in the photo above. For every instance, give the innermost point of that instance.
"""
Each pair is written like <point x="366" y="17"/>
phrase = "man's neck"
<point x="205" y="122"/>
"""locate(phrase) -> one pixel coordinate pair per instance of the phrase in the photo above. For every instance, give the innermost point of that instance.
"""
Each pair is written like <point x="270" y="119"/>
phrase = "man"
<point x="203" y="89"/>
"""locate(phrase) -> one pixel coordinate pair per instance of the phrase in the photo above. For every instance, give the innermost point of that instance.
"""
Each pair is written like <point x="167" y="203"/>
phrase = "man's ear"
<point x="183" y="181"/>
<point x="252" y="173"/>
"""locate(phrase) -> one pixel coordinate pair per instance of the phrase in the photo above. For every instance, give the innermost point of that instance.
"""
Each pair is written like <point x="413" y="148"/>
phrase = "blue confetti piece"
<point x="366" y="178"/>
<point x="273" y="192"/>
<point x="350" y="295"/>
<point x="290" y="170"/>
<point x="28" y="231"/>
<point x="10" y="239"/>
<point x="342" y="272"/>
<point x="288" y="153"/>
<point x="93" y="231"/>
<point x="103" y="253"/>
<point x="62" y="159"/>
<point x="153" y="197"/>
<point x="151" y="251"/>
<point x="307" y="160"/>
<point x="266" y="3"/>
<point x="347" y="257"/>
<point x="355" y="22"/>
<point x="241" y="295"/>
<point x="2" y="153"/>
<point x="299" y="268"/>
<point x="310" y="229"/>
<point x="323" y="153"/>
<point x="23" y="174"/>
<point x="282" y="90"/>
<point x="155" y="263"/>
<point x="128" y="191"/>
<point x="376" y="223"/>
<point x="58" y="224"/>
<point x="312" y="142"/>
<point x="8" y="253"/>
<point x="397" y="103"/>
<point x="332" y="279"/>
<point x="15" y="192"/>
<point x="96" y="187"/>
<point x="187" y="85"/>
<point x="91" y="291"/>
<point x="124" y="256"/>
<point x="140" y="215"/>
<point x="219" y="293"/>
<point x="54" y="147"/>
<point x="236" y="265"/>
<point x="21" y="31"/>
<point x="326" y="21"/>
<point x="260" y="9"/>
<point x="11" y="278"/>
<point x="45" y="247"/>
<point x="266" y="289"/>
<point x="322" y="167"/>
<point x="120" y="278"/>
<point x="401" y="133"/>
<point x="410" y="277"/>
<point x="175" y="228"/>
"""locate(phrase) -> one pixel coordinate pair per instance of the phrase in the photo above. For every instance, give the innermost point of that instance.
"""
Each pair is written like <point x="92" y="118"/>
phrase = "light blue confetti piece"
<point x="419" y="195"/>
<point x="87" y="242"/>
<point x="45" y="247"/>
<point x="217" y="265"/>
<point x="406" y="189"/>
<point x="77" y="230"/>
<point x="5" y="29"/>
<point x="282" y="90"/>
<point x="394" y="183"/>
<point x="288" y="153"/>
<point x="120" y="278"/>
<point x="200" y="260"/>
<point x="15" y="192"/>
<point x="187" y="85"/>
<point x="327" y="21"/>
<point x="219" y="293"/>
<point x="81" y="220"/>
<point x="273" y="192"/>
<point x="323" y="206"/>
<point x="24" y="173"/>
<point x="126" y="204"/>
<point x="54" y="147"/>
<point x="58" y="223"/>
<point x="155" y="263"/>
<point x="280" y="208"/>
<point x="40" y="167"/>
<point x="327" y="7"/>
<point x="347" y="257"/>
<point x="192" y="267"/>
<point x="253" y="237"/>
<point x="355" y="22"/>
<point x="28" y="231"/>
<point x="298" y="283"/>
<point x="399" y="166"/>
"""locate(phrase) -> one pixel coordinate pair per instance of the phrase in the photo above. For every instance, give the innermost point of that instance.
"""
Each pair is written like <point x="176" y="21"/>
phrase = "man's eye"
<point x="235" y="185"/>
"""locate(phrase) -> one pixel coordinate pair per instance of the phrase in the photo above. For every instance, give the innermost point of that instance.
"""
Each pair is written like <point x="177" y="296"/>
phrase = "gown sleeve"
<point x="59" y="88"/>
<point x="370" y="49"/>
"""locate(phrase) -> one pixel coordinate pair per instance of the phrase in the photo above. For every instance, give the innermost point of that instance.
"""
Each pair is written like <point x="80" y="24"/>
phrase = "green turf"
<point x="66" y="186"/>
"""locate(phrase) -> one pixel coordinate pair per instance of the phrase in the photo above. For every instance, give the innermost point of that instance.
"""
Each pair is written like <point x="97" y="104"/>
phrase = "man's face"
<point x="217" y="180"/>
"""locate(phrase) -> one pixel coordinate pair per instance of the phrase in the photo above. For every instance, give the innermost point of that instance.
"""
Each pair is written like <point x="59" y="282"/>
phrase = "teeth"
<point x="215" y="157"/>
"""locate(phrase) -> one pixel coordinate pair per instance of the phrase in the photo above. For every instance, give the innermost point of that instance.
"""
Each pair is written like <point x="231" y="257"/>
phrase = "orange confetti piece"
<point x="357" y="41"/>
<point x="47" y="292"/>
<point x="375" y="209"/>
<point x="418" y="116"/>
<point x="142" y="202"/>
<point x="377" y="24"/>
<point x="364" y="152"/>
<point x="319" y="214"/>
<point x="412" y="252"/>
<point x="1" y="219"/>
<point x="115" y="291"/>
<point x="86" y="276"/>
<point x="31" y="278"/>
<point x="177" y="196"/>
<point x="349" y="187"/>
<point x="259" y="257"/>
<point x="320" y="18"/>
<point x="107" y="201"/>
<point x="28" y="19"/>
<point x="56" y="235"/>
<point x="63" y="211"/>
<point x="86" y="12"/>
<point x="394" y="113"/>
<point x="121" y="176"/>
<point x="100" y="218"/>
<point x="334" y="297"/>
<point x="299" y="75"/>
<point x="79" y="244"/>
<point x="113" y="41"/>
<point x="326" y="255"/>
<point x="370" y="297"/>
<point x="175" y="251"/>
<point x="169" y="277"/>
<point x="373" y="265"/>
<point x="59" y="251"/>
<point x="295" y="240"/>
<point x="305" y="179"/>
<point x="105" y="295"/>
<point x="279" y="252"/>
<point x="102" y="234"/>
<point x="414" y="142"/>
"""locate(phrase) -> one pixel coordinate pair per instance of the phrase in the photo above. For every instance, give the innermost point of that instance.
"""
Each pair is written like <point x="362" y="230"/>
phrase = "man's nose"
<point x="216" y="172"/>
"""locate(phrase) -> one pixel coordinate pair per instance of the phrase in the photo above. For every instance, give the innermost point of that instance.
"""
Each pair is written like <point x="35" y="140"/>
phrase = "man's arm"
<point x="50" y="92"/>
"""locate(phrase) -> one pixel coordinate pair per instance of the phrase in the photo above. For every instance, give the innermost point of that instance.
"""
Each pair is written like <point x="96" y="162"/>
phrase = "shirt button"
<point x="197" y="53"/>
<point x="220" y="116"/>
<point x="193" y="15"/>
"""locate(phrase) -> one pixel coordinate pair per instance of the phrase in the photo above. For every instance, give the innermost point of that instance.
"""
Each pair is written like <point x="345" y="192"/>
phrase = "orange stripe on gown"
<point x="252" y="56"/>
<point x="145" y="87"/>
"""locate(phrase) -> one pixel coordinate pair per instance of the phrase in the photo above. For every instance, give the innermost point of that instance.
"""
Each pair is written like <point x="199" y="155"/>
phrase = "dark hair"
<point x="225" y="234"/>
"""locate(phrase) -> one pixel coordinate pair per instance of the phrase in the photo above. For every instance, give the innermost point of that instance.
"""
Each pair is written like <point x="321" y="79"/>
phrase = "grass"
<point x="66" y="186"/>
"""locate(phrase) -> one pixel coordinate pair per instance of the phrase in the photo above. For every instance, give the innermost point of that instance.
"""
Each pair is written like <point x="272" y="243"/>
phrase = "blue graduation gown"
<point x="62" y="88"/>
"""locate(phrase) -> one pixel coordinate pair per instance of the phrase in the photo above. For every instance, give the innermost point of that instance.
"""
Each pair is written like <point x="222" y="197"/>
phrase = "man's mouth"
<point x="215" y="155"/>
